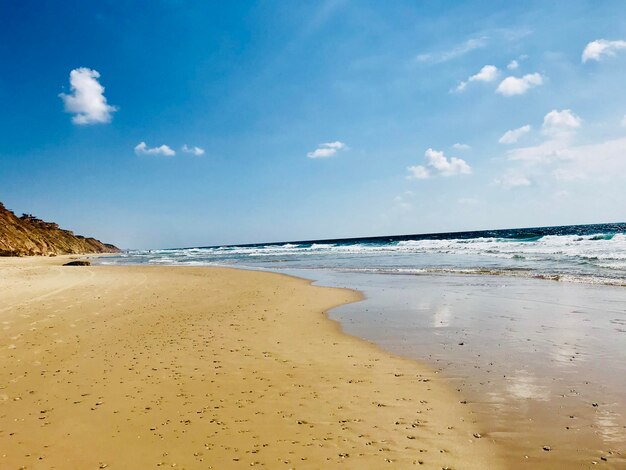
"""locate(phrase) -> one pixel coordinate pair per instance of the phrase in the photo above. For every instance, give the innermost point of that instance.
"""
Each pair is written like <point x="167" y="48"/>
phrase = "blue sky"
<point x="199" y="123"/>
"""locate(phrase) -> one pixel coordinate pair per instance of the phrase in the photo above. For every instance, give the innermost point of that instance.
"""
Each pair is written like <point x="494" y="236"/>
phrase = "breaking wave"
<point x="593" y="253"/>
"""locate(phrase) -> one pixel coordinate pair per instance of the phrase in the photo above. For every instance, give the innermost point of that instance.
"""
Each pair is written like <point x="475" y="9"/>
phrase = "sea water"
<point x="580" y="253"/>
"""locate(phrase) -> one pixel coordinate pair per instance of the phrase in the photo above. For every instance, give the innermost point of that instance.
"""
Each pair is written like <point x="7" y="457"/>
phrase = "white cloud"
<point x="512" y="136"/>
<point x="487" y="74"/>
<point x="560" y="123"/>
<point x="511" y="180"/>
<point x="445" y="166"/>
<point x="418" y="172"/>
<point x="602" y="47"/>
<point x="548" y="151"/>
<point x="86" y="100"/>
<point x="604" y="159"/>
<point x="194" y="150"/>
<point x="568" y="174"/>
<point x="143" y="149"/>
<point x="559" y="159"/>
<point x="459" y="146"/>
<point x="511" y="86"/>
<point x="457" y="51"/>
<point x="439" y="164"/>
<point x="513" y="65"/>
<point x="327" y="149"/>
<point x="559" y="126"/>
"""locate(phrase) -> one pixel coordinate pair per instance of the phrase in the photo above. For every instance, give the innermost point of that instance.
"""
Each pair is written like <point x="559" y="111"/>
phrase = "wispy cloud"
<point x="321" y="14"/>
<point x="604" y="159"/>
<point x="193" y="150"/>
<point x="512" y="136"/>
<point x="552" y="157"/>
<point x="487" y="74"/>
<point x="559" y="158"/>
<point x="568" y="174"/>
<point x="559" y="127"/>
<point x="567" y="162"/>
<point x="512" y="180"/>
<point x="599" y="48"/>
<point x="459" y="146"/>
<point x="453" y="53"/>
<point x="418" y="172"/>
<point x="545" y="152"/>
<point x="328" y="149"/>
<point x="142" y="149"/>
<point x="513" y="65"/>
<point x="438" y="164"/>
<point x="86" y="100"/>
<point x="512" y="86"/>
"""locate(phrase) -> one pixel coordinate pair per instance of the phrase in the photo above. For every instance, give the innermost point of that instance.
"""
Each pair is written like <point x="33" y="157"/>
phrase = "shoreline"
<point x="198" y="366"/>
<point x="542" y="363"/>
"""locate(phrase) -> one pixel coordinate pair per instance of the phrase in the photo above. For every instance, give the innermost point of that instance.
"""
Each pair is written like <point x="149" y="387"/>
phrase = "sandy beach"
<point x="542" y="363"/>
<point x="141" y="367"/>
<point x="313" y="235"/>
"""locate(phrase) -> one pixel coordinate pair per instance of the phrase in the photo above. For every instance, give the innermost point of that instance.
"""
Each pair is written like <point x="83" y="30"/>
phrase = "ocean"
<point x="580" y="253"/>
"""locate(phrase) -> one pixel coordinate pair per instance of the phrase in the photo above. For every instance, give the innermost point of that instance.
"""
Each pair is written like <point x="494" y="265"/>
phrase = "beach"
<point x="196" y="367"/>
<point x="542" y="363"/>
<point x="313" y="235"/>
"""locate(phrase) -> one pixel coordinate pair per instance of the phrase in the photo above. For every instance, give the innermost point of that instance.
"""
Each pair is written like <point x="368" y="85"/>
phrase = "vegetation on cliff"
<point x="28" y="235"/>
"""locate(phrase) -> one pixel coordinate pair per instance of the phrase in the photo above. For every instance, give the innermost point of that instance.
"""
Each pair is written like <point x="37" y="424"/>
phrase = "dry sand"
<point x="147" y="367"/>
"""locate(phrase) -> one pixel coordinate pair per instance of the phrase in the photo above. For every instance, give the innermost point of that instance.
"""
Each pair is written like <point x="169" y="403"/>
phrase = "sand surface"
<point x="542" y="363"/>
<point x="148" y="367"/>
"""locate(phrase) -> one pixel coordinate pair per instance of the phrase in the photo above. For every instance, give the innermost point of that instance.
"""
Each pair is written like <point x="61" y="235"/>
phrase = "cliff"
<point x="28" y="235"/>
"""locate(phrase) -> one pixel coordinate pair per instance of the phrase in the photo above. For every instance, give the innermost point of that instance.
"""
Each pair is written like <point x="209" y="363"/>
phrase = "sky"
<point x="192" y="123"/>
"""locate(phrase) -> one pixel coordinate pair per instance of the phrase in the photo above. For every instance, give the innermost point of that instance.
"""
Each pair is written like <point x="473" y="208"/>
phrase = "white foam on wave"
<point x="592" y="258"/>
<point x="586" y="248"/>
<point x="525" y="273"/>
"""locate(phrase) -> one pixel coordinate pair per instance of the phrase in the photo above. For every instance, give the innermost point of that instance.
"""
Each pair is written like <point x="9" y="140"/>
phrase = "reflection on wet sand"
<point x="542" y="362"/>
<point x="442" y="315"/>
<point x="525" y="386"/>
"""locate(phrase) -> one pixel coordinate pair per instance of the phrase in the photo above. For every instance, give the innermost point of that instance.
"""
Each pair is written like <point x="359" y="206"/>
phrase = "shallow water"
<point x="543" y="363"/>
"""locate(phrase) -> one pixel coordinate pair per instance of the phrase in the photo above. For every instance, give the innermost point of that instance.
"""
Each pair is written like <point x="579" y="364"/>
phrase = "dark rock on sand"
<point x="78" y="263"/>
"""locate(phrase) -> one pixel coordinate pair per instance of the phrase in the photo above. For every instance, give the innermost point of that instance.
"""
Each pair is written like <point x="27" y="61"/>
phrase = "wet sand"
<point x="543" y="363"/>
<point x="148" y="367"/>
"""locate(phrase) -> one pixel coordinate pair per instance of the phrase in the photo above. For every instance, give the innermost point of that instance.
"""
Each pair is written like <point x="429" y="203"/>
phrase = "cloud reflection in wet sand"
<point x="532" y="355"/>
